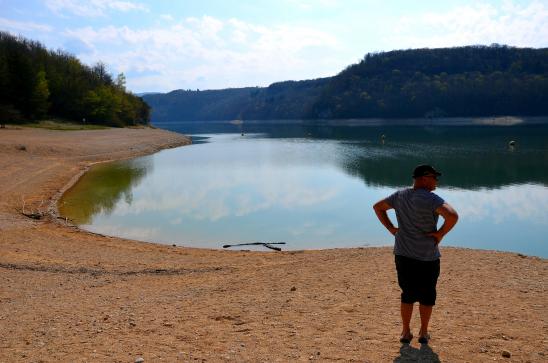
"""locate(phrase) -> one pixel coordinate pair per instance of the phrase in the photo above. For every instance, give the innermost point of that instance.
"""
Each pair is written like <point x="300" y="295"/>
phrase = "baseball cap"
<point x="423" y="170"/>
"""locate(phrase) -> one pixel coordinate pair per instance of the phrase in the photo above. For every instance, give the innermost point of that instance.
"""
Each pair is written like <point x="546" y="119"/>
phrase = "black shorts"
<point x="417" y="280"/>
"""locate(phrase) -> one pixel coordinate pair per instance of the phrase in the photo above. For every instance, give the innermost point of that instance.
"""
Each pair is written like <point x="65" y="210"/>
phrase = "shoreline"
<point x="53" y="209"/>
<point x="72" y="295"/>
<point x="492" y="121"/>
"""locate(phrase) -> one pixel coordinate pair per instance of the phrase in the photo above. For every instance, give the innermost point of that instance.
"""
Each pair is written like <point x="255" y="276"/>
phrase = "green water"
<point x="313" y="186"/>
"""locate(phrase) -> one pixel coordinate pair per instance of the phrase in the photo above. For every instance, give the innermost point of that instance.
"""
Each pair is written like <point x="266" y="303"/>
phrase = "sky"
<point x="162" y="45"/>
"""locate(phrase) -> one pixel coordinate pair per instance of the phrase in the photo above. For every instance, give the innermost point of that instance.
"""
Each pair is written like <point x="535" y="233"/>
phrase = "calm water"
<point x="314" y="186"/>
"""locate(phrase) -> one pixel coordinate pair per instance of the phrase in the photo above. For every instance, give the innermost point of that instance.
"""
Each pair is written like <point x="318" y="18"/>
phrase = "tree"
<point x="4" y="86"/>
<point x="39" y="103"/>
<point x="121" y="81"/>
<point x="104" y="106"/>
<point x="8" y="114"/>
<point x="35" y="82"/>
<point x="100" y="71"/>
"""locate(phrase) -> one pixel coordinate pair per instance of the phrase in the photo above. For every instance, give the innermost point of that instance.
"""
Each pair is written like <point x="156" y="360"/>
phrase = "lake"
<point x="313" y="185"/>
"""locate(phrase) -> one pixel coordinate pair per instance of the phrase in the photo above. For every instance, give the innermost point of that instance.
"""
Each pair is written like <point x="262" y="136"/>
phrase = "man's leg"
<point x="407" y="284"/>
<point x="425" y="312"/>
<point x="406" y="314"/>
<point x="430" y="272"/>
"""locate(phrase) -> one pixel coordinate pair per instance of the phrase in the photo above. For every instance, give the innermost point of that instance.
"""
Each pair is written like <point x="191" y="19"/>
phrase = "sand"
<point x="67" y="295"/>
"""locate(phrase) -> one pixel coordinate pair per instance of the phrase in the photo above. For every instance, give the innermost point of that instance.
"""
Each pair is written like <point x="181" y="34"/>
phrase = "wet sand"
<point x="67" y="295"/>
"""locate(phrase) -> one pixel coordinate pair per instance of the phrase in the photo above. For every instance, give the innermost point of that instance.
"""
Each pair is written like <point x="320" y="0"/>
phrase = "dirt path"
<point x="72" y="296"/>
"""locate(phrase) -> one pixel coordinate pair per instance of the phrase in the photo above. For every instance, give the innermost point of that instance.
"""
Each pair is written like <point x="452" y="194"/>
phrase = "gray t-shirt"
<point x="415" y="211"/>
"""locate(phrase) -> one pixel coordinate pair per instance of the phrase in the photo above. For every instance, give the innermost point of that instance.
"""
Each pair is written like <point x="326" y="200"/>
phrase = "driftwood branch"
<point x="268" y="245"/>
<point x="265" y="244"/>
<point x="34" y="214"/>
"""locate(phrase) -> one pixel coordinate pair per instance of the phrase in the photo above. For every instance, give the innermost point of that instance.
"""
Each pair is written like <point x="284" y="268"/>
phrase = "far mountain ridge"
<point x="466" y="81"/>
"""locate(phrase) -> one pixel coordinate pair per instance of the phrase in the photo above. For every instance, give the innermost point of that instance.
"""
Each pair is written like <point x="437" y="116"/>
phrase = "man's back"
<point x="415" y="211"/>
<point x="416" y="248"/>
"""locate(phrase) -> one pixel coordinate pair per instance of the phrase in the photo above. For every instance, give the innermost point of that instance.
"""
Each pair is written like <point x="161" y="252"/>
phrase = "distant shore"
<point x="70" y="295"/>
<point x="423" y="121"/>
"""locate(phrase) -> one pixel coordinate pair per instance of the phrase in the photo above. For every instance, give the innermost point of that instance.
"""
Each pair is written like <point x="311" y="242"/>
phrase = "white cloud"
<point x="311" y="4"/>
<point x="167" y="17"/>
<point x="473" y="24"/>
<point x="123" y="5"/>
<point x="23" y="26"/>
<point x="92" y="8"/>
<point x="210" y="53"/>
<point x="515" y="202"/>
<point x="207" y="27"/>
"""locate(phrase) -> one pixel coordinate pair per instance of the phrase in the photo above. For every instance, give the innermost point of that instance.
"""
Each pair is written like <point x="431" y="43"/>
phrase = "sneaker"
<point x="423" y="339"/>
<point x="406" y="339"/>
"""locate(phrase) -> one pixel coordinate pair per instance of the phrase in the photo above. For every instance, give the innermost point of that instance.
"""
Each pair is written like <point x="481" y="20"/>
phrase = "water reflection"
<point x="471" y="157"/>
<point x="102" y="188"/>
<point x="317" y="191"/>
<point x="525" y="203"/>
<point x="211" y="196"/>
<point x="461" y="167"/>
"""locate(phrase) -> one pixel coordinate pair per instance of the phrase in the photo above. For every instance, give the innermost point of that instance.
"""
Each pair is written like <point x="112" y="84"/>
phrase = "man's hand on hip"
<point x="438" y="236"/>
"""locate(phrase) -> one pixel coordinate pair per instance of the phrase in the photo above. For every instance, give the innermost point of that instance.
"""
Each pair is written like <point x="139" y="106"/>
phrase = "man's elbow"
<point x="448" y="213"/>
<point x="379" y="206"/>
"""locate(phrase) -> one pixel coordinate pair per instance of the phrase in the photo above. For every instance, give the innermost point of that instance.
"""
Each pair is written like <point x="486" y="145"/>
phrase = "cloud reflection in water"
<point x="319" y="193"/>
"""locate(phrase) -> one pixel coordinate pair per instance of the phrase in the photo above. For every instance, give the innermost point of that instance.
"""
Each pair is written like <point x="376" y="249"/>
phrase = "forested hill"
<point x="466" y="81"/>
<point x="283" y="100"/>
<point x="445" y="82"/>
<point x="37" y="83"/>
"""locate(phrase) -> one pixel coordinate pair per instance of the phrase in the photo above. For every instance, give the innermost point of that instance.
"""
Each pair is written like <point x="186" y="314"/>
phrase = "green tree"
<point x="8" y="113"/>
<point x="121" y="81"/>
<point x="104" y="106"/>
<point x="35" y="82"/>
<point x="4" y="85"/>
<point x="39" y="104"/>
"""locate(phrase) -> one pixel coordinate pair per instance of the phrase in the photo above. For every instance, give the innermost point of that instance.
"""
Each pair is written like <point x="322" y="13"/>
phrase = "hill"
<point x="37" y="83"/>
<point x="450" y="82"/>
<point x="283" y="100"/>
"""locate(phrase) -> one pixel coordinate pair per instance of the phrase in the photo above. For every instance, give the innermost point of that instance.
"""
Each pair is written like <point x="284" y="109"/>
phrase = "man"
<point x="416" y="251"/>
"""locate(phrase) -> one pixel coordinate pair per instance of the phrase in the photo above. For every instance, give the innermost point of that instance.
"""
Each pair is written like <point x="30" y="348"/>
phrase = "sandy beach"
<point x="67" y="295"/>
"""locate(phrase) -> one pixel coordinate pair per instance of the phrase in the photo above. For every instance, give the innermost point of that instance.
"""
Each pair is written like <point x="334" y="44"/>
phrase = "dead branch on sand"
<point x="33" y="213"/>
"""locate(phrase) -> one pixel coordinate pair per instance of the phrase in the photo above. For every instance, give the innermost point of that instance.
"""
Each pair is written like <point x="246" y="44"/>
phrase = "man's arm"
<point x="450" y="217"/>
<point x="380" y="210"/>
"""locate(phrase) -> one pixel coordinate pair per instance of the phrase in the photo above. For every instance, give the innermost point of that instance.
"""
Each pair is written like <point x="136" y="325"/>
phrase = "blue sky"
<point x="209" y="44"/>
